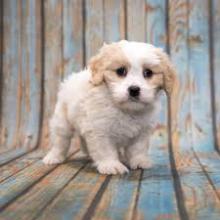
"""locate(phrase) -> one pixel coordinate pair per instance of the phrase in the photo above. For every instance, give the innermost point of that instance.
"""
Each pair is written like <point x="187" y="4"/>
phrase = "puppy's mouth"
<point x="133" y="99"/>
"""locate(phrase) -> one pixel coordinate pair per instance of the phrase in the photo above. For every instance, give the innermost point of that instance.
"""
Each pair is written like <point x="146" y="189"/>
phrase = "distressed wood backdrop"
<point x="42" y="41"/>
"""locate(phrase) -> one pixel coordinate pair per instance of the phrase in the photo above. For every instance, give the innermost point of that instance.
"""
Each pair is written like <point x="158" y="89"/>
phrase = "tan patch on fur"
<point x="107" y="60"/>
<point x="156" y="80"/>
<point x="169" y="72"/>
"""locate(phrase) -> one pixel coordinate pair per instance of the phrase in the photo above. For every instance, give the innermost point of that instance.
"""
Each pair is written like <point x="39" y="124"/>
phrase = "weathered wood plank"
<point x="93" y="26"/>
<point x="136" y="20"/>
<point x="181" y="105"/>
<point x="21" y="73"/>
<point x="53" y="62"/>
<point x="194" y="182"/>
<point x="15" y="185"/>
<point x="75" y="199"/>
<point x="210" y="163"/>
<point x="119" y="198"/>
<point x="200" y="199"/>
<point x="157" y="199"/>
<point x="216" y="62"/>
<point x="72" y="36"/>
<point x="199" y="68"/>
<point x="12" y="154"/>
<point x="155" y="19"/>
<point x="153" y="197"/>
<point x="31" y="73"/>
<point x="11" y="73"/>
<point x="114" y="20"/>
<point x="43" y="192"/>
<point x="19" y="164"/>
<point x="181" y="135"/>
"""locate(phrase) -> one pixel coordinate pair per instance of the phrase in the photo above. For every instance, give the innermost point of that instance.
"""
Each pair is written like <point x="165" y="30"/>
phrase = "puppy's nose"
<point x="134" y="91"/>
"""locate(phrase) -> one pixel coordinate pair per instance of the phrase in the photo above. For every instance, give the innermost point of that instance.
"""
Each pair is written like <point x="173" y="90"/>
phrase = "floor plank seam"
<point x="134" y="211"/>
<point x="178" y="192"/>
<point x="17" y="157"/>
<point x="58" y="192"/>
<point x="207" y="176"/>
<point x="19" y="171"/>
<point x="27" y="189"/>
<point x="177" y="184"/>
<point x="91" y="209"/>
<point x="42" y="36"/>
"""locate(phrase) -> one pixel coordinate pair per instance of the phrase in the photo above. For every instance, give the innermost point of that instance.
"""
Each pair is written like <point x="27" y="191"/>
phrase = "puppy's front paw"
<point x="140" y="162"/>
<point x="111" y="167"/>
<point x="53" y="158"/>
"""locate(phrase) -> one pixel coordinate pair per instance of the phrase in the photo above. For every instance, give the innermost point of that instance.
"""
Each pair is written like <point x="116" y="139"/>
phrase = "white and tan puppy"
<point x="111" y="106"/>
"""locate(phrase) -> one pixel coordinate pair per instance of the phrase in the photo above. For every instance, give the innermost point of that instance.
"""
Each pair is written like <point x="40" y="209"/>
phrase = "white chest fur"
<point x="96" y="113"/>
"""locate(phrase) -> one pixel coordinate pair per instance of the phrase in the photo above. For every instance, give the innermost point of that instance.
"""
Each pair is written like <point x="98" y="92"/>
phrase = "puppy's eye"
<point x="148" y="73"/>
<point x="122" y="71"/>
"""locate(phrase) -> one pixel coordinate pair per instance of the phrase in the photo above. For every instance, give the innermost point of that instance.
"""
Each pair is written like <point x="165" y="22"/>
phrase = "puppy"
<point x="111" y="106"/>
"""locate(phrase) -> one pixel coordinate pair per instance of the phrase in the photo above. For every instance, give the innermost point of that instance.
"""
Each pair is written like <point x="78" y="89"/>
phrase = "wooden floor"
<point x="176" y="187"/>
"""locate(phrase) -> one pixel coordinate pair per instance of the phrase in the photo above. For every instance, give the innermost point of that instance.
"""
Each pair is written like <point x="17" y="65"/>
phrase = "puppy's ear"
<point x="169" y="73"/>
<point x="96" y="68"/>
<point x="97" y="64"/>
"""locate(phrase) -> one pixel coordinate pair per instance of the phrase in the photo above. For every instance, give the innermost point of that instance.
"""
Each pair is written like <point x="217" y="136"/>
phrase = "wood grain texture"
<point x="114" y="20"/>
<point x="183" y="46"/>
<point x="157" y="199"/>
<point x="136" y="20"/>
<point x="11" y="71"/>
<point x="147" y="195"/>
<point x="18" y="183"/>
<point x="199" y="195"/>
<point x="181" y="111"/>
<point x="22" y="74"/>
<point x="72" y="36"/>
<point x="216" y="62"/>
<point x="43" y="192"/>
<point x="210" y="163"/>
<point x="94" y="27"/>
<point x="31" y="73"/>
<point x="199" y="69"/>
<point x="19" y="164"/>
<point x="53" y="63"/>
<point x="155" y="19"/>
<point x="11" y="154"/>
<point x="21" y="90"/>
<point x="76" y="198"/>
<point x="119" y="198"/>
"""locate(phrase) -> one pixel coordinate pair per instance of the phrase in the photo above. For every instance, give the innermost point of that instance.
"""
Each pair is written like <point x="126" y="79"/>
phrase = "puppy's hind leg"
<point x="60" y="137"/>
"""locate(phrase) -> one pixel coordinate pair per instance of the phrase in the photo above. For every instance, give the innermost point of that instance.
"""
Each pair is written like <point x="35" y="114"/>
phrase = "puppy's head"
<point x="133" y="72"/>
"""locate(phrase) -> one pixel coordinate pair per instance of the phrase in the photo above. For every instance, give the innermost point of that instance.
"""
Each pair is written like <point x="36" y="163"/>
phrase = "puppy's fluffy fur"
<point x="96" y="105"/>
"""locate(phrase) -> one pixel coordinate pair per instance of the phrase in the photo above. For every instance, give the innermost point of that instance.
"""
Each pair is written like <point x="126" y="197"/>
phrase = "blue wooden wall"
<point x="42" y="41"/>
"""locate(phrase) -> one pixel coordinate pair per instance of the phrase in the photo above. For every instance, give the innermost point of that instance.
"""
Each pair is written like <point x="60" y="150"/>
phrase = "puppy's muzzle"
<point x="134" y="91"/>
